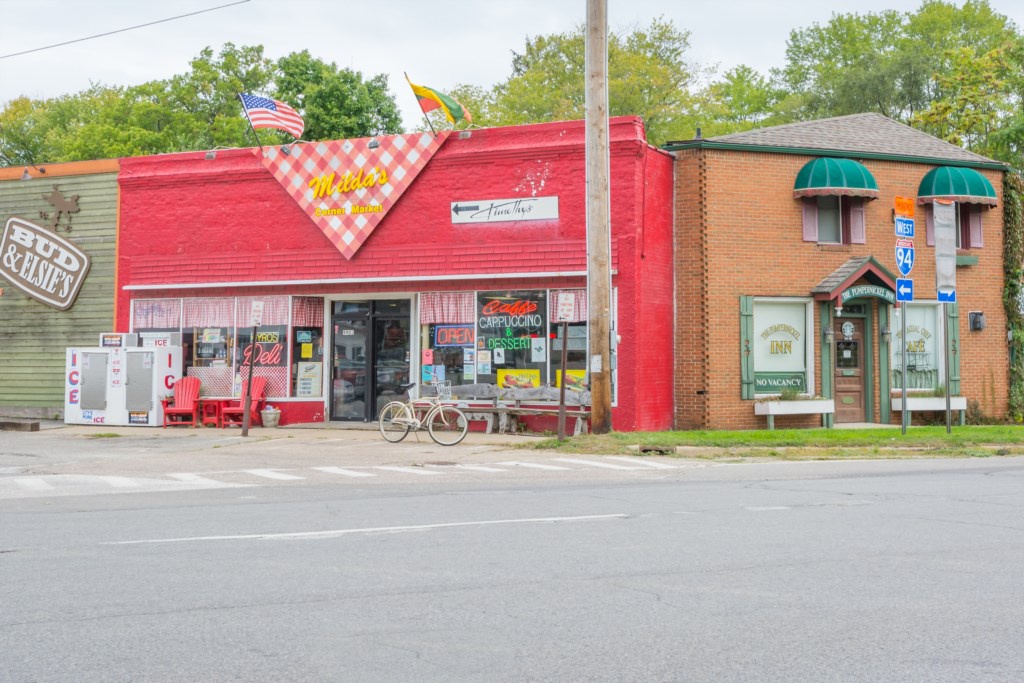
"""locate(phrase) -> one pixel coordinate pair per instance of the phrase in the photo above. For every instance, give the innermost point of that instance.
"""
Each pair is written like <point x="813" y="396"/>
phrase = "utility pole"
<point x="599" y="278"/>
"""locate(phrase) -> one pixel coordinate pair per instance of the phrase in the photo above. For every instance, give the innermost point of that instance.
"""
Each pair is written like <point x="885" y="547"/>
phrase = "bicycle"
<point x="446" y="424"/>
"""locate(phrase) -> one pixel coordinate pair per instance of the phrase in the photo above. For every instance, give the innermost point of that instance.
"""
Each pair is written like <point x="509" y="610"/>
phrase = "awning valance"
<point x="827" y="176"/>
<point x="956" y="184"/>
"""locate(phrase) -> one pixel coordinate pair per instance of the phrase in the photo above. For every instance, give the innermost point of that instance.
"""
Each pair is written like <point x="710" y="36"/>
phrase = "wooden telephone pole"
<point x="599" y="278"/>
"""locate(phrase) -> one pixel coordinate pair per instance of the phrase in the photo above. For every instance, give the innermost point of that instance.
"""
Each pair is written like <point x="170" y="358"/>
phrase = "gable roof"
<point x="868" y="135"/>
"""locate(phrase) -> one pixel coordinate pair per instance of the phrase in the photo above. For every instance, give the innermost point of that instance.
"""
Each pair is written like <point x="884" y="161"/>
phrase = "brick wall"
<point x="744" y="238"/>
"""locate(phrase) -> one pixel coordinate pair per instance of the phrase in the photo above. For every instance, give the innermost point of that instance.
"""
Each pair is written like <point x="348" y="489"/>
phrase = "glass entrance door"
<point x="370" y="357"/>
<point x="849" y="379"/>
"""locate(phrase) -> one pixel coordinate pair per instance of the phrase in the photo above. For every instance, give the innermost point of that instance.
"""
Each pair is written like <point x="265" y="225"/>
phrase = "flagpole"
<point x="425" y="117"/>
<point x="246" y="112"/>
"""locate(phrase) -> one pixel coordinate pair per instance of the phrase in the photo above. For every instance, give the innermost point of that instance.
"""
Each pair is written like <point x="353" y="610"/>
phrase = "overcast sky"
<point x="438" y="42"/>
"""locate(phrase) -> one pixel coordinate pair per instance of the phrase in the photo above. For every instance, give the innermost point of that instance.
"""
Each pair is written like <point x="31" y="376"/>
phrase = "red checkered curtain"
<point x="307" y="311"/>
<point x="447" y="307"/>
<point x="275" y="310"/>
<point x="156" y="314"/>
<point x="208" y="312"/>
<point x="579" y="308"/>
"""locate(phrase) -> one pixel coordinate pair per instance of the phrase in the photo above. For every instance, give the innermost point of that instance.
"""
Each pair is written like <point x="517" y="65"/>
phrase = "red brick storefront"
<point x="741" y="243"/>
<point x="204" y="234"/>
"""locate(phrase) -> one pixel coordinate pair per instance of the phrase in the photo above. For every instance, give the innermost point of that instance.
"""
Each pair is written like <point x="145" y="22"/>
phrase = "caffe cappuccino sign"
<point x="42" y="264"/>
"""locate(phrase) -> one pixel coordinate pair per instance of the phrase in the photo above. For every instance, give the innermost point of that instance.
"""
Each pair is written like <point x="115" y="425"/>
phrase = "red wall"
<point x="188" y="220"/>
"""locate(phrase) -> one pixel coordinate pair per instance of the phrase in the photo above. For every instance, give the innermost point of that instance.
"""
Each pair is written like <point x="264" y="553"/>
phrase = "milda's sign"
<point x="42" y="264"/>
<point x="346" y="187"/>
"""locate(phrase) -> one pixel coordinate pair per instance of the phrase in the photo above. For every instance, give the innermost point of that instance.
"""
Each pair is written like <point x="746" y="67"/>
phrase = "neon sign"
<point x="453" y="335"/>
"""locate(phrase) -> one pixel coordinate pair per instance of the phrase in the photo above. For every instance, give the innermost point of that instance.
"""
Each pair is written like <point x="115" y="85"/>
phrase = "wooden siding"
<point x="33" y="336"/>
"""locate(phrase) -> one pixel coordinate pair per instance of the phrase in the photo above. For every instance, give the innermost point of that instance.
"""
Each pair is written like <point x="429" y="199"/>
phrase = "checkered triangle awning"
<point x="347" y="187"/>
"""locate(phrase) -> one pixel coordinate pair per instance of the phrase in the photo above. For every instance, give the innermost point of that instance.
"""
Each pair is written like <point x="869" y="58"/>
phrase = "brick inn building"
<point x="785" y="268"/>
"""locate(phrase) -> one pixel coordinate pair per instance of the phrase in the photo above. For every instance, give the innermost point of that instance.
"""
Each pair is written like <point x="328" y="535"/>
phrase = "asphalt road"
<point x="486" y="566"/>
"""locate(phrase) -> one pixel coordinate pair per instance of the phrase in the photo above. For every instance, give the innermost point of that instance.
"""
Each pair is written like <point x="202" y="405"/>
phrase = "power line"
<point x="122" y="30"/>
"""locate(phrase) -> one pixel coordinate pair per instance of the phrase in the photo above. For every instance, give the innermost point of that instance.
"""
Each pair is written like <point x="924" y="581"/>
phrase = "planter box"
<point x="924" y="404"/>
<point x="770" y="409"/>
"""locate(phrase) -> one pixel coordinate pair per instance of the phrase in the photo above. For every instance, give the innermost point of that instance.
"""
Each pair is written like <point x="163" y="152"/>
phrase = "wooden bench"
<point x="502" y="416"/>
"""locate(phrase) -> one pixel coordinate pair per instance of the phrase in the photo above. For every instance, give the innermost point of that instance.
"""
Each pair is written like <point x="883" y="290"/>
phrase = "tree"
<point x="336" y="103"/>
<point x="648" y="76"/>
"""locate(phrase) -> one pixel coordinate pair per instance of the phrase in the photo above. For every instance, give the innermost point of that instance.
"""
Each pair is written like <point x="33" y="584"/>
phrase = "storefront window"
<point x="922" y="345"/>
<point x="781" y="349"/>
<point x="576" y="356"/>
<point x="512" y="338"/>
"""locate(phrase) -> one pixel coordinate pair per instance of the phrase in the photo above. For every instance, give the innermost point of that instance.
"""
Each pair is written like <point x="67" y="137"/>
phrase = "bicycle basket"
<point x="444" y="390"/>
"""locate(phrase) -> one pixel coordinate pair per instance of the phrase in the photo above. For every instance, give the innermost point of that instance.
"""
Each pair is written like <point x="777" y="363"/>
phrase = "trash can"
<point x="270" y="417"/>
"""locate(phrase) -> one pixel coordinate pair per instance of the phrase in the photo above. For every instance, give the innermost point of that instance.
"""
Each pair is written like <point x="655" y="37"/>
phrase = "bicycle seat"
<point x="407" y="387"/>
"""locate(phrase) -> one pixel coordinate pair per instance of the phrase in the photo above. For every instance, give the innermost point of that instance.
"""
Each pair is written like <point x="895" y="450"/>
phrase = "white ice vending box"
<point x="119" y="385"/>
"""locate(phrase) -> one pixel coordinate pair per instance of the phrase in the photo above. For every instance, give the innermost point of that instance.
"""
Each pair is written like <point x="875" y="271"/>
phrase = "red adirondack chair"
<point x="234" y="413"/>
<point x="185" y="408"/>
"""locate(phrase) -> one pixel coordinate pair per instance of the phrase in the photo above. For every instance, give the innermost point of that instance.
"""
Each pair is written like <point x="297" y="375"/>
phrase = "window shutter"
<point x="953" y="347"/>
<point x="746" y="347"/>
<point x="810" y="220"/>
<point x="974" y="216"/>
<point x="929" y="226"/>
<point x="857" y="231"/>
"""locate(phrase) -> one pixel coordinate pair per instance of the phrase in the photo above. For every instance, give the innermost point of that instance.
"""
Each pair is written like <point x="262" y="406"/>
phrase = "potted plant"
<point x="271" y="416"/>
<point x="792" y="402"/>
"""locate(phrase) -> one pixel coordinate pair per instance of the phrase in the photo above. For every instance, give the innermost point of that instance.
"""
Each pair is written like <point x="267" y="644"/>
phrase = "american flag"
<point x="264" y="112"/>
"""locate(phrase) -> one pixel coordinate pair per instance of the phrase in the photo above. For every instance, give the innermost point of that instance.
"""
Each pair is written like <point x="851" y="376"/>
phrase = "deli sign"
<point x="42" y="264"/>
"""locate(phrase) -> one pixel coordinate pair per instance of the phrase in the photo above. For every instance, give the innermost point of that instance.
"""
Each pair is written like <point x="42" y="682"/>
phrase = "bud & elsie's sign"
<point x="42" y="264"/>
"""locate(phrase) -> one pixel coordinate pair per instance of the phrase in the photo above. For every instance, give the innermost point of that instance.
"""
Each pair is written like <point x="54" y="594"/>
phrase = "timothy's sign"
<point x="42" y="264"/>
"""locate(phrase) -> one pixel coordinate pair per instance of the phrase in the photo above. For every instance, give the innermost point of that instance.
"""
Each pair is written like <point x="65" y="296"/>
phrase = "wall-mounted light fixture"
<point x="977" y="321"/>
<point x="286" y="150"/>
<point x="828" y="334"/>
<point x="211" y="155"/>
<point x="25" y="175"/>
<point x="374" y="143"/>
<point x="886" y="333"/>
<point x="839" y="310"/>
<point x="465" y="134"/>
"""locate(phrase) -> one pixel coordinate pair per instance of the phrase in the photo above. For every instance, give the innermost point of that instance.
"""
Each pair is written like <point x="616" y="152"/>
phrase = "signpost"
<point x="564" y="312"/>
<point x="944" y="213"/>
<point x="505" y="210"/>
<point x="255" y="319"/>
<point x="903" y="220"/>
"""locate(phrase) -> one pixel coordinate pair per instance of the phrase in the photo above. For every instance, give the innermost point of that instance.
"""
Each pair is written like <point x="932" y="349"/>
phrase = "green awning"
<point x="956" y="184"/>
<point x="827" y="176"/>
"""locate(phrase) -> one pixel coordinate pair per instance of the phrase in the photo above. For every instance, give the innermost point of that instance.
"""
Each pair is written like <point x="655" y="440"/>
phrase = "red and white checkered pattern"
<point x="156" y="314"/>
<point x="402" y="157"/>
<point x="579" y="308"/>
<point x="307" y="311"/>
<point x="447" y="307"/>
<point x="275" y="310"/>
<point x="209" y="312"/>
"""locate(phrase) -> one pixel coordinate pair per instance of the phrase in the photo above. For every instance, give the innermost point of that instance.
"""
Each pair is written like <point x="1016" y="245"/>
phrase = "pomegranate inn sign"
<point x="42" y="264"/>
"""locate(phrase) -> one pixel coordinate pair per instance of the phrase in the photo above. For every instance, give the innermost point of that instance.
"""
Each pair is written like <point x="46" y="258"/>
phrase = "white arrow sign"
<point x="505" y="210"/>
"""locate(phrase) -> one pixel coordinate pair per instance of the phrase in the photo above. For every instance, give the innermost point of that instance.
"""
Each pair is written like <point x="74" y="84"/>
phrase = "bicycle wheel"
<point x="394" y="421"/>
<point x="447" y="425"/>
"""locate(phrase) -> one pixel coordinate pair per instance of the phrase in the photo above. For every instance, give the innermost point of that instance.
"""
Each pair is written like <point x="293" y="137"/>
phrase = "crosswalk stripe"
<point x="191" y="478"/>
<point x="34" y="484"/>
<point x="595" y="463"/>
<point x="535" y="465"/>
<point x="645" y="463"/>
<point x="119" y="482"/>
<point x="480" y="468"/>
<point x="272" y="474"/>
<point x="407" y="470"/>
<point x="343" y="472"/>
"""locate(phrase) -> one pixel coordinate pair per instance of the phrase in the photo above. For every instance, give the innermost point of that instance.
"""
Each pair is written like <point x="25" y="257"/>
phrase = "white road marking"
<point x="768" y="508"/>
<point x="34" y="484"/>
<point x="480" y="468"/>
<point x="272" y="474"/>
<point x="641" y="461"/>
<point x="535" y="465"/>
<point x="120" y="482"/>
<point x="596" y="463"/>
<point x="407" y="470"/>
<point x="190" y="478"/>
<point x="343" y="472"/>
<point x="368" y="530"/>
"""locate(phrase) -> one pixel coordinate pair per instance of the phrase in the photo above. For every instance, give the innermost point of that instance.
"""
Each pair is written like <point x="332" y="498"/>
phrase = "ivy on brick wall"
<point x="1013" y="291"/>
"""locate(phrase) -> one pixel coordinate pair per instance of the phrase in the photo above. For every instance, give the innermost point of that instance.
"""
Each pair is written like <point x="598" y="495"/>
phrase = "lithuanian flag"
<point x="431" y="99"/>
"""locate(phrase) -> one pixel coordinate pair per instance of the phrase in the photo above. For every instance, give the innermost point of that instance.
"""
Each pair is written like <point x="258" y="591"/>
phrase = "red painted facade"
<point x="197" y="227"/>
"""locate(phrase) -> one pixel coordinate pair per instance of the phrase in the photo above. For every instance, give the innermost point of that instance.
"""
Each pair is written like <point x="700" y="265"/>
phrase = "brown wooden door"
<point x="849" y="370"/>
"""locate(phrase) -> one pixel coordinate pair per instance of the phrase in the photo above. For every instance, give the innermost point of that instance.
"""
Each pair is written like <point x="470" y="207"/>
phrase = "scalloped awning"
<point x="828" y="176"/>
<point x="958" y="184"/>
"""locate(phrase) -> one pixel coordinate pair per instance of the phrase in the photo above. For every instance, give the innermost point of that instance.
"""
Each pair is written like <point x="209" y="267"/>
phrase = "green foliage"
<point x="198" y="109"/>
<point x="648" y="76"/>
<point x="789" y="394"/>
<point x="1013" y="287"/>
